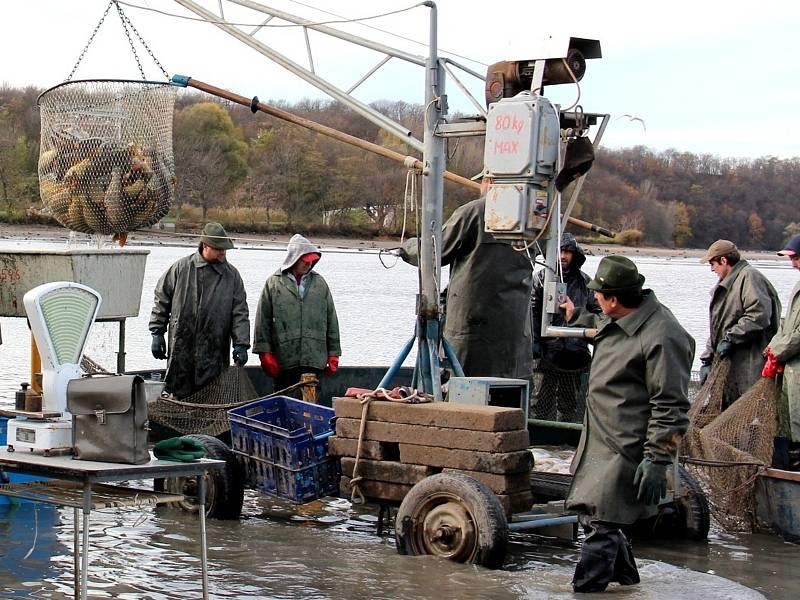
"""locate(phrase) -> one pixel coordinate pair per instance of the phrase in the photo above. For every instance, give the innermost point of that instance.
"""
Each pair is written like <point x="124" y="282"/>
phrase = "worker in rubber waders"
<point x="636" y="413"/>
<point x="488" y="319"/>
<point x="564" y="361"/>
<point x="744" y="314"/>
<point x="784" y="350"/>
<point x="297" y="330"/>
<point x="202" y="302"/>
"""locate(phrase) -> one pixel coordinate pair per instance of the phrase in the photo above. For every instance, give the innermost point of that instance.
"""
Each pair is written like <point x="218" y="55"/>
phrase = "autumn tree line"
<point x="260" y="174"/>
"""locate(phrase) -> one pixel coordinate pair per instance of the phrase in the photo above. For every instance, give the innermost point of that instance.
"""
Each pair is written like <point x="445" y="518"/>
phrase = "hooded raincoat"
<point x="204" y="307"/>
<point x="746" y="310"/>
<point x="300" y="330"/>
<point x="488" y="298"/>
<point x="785" y="346"/>
<point x="577" y="291"/>
<point x="637" y="406"/>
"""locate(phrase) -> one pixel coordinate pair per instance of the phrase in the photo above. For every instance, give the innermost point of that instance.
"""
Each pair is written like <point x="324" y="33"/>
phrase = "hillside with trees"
<point x="257" y="173"/>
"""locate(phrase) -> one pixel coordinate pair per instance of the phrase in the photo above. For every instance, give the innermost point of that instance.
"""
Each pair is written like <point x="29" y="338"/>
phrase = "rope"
<point x="236" y="404"/>
<point x="409" y="198"/>
<point x="356" y="496"/>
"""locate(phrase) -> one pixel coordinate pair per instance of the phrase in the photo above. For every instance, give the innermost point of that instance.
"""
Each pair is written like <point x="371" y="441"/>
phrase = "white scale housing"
<point x="60" y="316"/>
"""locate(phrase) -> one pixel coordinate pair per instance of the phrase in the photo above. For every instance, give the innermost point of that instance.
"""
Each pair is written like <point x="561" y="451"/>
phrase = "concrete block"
<point x="484" y="441"/>
<point x="468" y="460"/>
<point x="390" y="471"/>
<point x="375" y="490"/>
<point x="499" y="484"/>
<point x="338" y="446"/>
<point x="516" y="503"/>
<point x="435" y="414"/>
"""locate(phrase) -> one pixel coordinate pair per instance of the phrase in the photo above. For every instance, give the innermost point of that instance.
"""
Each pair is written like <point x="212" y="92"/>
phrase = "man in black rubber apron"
<point x="636" y="413"/>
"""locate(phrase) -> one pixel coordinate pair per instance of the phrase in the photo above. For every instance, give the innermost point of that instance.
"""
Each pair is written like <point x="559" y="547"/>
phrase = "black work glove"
<point x="705" y="369"/>
<point x="725" y="348"/>
<point x="537" y="349"/>
<point x="240" y="355"/>
<point x="651" y="477"/>
<point x="159" y="346"/>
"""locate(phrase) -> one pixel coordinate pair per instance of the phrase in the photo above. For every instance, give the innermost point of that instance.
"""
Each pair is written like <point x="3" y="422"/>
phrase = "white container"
<point x="117" y="274"/>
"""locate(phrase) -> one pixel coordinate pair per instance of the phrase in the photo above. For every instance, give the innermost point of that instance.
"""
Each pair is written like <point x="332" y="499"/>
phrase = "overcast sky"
<point x="705" y="76"/>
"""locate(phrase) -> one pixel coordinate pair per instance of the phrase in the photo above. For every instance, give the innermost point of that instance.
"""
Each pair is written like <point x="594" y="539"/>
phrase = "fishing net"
<point x="205" y="411"/>
<point x="725" y="449"/>
<point x="105" y="162"/>
<point x="559" y="394"/>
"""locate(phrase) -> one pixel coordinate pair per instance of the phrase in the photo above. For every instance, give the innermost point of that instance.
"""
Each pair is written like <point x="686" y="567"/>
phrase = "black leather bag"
<point x="109" y="419"/>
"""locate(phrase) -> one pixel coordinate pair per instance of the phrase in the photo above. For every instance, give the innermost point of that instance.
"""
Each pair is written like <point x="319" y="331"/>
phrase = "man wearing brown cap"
<point x="636" y="413"/>
<point x="201" y="300"/>
<point x="744" y="314"/>
<point x="784" y="347"/>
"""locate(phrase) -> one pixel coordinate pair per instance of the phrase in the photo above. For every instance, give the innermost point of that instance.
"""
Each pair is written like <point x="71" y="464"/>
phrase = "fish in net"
<point x="205" y="411"/>
<point x="105" y="162"/>
<point x="559" y="394"/>
<point x="726" y="449"/>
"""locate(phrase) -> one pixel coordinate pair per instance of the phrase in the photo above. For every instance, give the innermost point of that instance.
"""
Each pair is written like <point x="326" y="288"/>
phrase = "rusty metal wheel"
<point x="452" y="516"/>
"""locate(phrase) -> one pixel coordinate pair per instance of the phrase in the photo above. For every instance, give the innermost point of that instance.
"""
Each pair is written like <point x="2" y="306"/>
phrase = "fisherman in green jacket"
<point x="744" y="315"/>
<point x="636" y="413"/>
<point x="785" y="347"/>
<point x="201" y="300"/>
<point x="488" y="320"/>
<point x="296" y="326"/>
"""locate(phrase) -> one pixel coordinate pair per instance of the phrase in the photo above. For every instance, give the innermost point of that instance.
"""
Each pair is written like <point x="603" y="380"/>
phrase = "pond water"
<point x="329" y="549"/>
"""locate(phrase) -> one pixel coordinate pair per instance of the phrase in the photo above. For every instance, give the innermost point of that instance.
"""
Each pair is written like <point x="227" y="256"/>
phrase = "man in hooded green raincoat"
<point x="636" y="413"/>
<point x="297" y="330"/>
<point x="785" y="347"/>
<point x="488" y="319"/>
<point x="201" y="300"/>
<point x="744" y="314"/>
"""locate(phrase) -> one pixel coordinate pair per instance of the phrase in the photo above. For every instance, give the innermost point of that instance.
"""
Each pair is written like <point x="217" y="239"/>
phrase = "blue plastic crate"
<point x="282" y="444"/>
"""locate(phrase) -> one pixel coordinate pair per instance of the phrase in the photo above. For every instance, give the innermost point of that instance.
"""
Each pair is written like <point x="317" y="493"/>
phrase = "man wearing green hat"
<point x="202" y="302"/>
<point x="636" y="413"/>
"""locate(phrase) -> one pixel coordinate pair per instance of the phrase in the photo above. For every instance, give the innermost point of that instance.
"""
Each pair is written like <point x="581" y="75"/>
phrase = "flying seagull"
<point x="632" y="118"/>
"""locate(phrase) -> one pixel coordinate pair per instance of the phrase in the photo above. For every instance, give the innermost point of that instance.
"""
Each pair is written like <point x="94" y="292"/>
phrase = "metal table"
<point x="80" y="484"/>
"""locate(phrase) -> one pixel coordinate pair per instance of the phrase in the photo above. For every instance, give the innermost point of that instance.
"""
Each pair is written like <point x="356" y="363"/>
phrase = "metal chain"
<point x="91" y="38"/>
<point x="123" y="18"/>
<point x="126" y="22"/>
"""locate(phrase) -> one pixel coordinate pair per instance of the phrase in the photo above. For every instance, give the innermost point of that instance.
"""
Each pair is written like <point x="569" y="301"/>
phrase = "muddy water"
<point x="329" y="549"/>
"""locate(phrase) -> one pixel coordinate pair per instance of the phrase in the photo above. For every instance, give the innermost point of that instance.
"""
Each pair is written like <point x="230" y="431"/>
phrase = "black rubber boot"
<point x="606" y="556"/>
<point x="780" y="454"/>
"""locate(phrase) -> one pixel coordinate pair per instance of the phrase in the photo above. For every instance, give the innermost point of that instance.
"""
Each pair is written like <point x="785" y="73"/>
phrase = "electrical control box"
<point x="489" y="391"/>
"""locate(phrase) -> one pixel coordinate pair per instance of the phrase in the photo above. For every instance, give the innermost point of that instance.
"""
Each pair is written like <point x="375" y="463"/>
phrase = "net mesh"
<point x="105" y="162"/>
<point x="559" y="394"/>
<point x="726" y="449"/>
<point x="205" y="411"/>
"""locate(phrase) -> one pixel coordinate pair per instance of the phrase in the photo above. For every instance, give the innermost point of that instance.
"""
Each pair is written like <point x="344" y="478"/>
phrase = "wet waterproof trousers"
<point x="606" y="556"/>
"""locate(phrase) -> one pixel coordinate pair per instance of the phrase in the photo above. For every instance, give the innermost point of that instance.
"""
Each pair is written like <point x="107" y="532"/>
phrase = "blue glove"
<point x="651" y="477"/>
<point x="240" y="355"/>
<point x="158" y="346"/>
<point x="724" y="348"/>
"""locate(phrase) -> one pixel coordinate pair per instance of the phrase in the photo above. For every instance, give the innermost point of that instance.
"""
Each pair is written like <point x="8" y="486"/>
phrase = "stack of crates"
<point x="282" y="446"/>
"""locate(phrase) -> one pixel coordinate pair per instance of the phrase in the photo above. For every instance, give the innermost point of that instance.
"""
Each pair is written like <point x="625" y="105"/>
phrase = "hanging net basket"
<point x="105" y="162"/>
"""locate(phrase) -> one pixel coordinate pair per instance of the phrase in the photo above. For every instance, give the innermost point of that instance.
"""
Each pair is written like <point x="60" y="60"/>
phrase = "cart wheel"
<point x="693" y="507"/>
<point x="224" y="489"/>
<point x="452" y="516"/>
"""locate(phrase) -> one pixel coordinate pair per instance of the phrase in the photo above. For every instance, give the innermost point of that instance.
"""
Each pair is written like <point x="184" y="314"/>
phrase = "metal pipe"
<point x="369" y="73"/>
<point x="76" y="553"/>
<point x="450" y="353"/>
<point x="201" y="492"/>
<point x="121" y="348"/>
<point x="569" y="332"/>
<point x="364" y="110"/>
<point x="87" y="508"/>
<point x="398" y="362"/>
<point x="530" y="525"/>
<point x="555" y="424"/>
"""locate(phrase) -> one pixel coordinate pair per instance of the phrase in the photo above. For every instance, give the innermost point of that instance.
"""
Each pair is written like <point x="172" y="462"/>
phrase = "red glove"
<point x="333" y="365"/>
<point x="269" y="364"/>
<point x="771" y="367"/>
